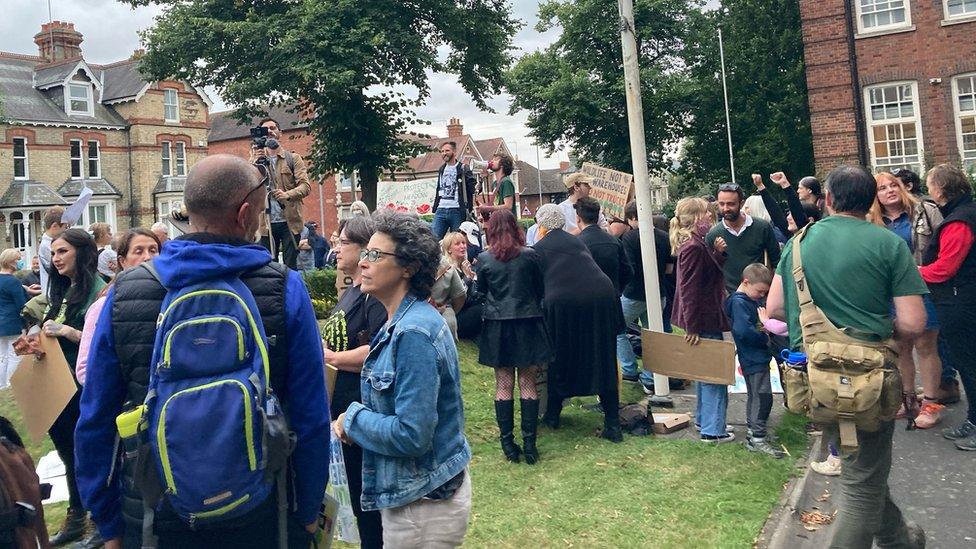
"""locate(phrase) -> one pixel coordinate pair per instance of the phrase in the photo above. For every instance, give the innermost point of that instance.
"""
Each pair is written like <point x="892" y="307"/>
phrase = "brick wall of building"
<point x="930" y="53"/>
<point x="320" y="204"/>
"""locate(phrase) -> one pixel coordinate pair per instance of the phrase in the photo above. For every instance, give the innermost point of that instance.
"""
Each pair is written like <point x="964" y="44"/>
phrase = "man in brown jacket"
<point x="282" y="224"/>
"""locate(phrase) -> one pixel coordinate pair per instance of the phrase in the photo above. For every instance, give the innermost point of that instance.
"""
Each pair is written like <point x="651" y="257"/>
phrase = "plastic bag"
<point x="338" y="488"/>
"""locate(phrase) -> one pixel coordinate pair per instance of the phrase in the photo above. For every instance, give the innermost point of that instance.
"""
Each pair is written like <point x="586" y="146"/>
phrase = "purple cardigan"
<point x="700" y="288"/>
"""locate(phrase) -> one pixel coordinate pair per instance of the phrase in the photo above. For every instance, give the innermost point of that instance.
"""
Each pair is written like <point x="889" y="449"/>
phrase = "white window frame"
<point x="964" y="15"/>
<point x="861" y="29"/>
<point x="97" y="159"/>
<point x="80" y="159"/>
<point x="174" y="106"/>
<point x="25" y="158"/>
<point x="917" y="119"/>
<point x="86" y="218"/>
<point x="167" y="157"/>
<point x="180" y="157"/>
<point x="163" y="208"/>
<point x="89" y="99"/>
<point x="959" y="114"/>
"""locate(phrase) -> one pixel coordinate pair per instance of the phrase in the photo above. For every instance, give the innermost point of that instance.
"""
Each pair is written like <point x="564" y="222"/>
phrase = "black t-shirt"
<point x="662" y="246"/>
<point x="353" y="323"/>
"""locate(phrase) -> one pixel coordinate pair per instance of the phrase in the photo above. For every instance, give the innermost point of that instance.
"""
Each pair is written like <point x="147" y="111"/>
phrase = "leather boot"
<point x="91" y="541"/>
<point x="72" y="529"/>
<point x="611" y="416"/>
<point x="530" y="420"/>
<point x="505" y="416"/>
<point x="554" y="407"/>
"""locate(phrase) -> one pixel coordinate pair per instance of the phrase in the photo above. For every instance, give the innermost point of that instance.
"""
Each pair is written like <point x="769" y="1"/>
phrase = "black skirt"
<point x="515" y="343"/>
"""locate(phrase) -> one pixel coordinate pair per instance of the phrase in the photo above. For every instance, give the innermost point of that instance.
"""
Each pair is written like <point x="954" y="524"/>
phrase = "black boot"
<point x="505" y="416"/>
<point x="611" y="416"/>
<point x="554" y="407"/>
<point x="92" y="541"/>
<point x="72" y="528"/>
<point x="530" y="420"/>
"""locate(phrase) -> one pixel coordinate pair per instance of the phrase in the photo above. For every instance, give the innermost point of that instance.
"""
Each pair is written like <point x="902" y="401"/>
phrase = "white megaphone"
<point x="478" y="165"/>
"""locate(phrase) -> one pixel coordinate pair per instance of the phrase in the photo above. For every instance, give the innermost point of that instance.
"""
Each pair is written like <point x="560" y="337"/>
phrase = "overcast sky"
<point x="110" y="31"/>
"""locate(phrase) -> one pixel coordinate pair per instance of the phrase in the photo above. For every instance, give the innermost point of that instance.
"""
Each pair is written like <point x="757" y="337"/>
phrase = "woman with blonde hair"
<point x="449" y="291"/>
<point x="698" y="304"/>
<point x="914" y="220"/>
<point x="13" y="296"/>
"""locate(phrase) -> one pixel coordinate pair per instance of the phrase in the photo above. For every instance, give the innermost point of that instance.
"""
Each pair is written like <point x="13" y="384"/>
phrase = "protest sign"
<point x="612" y="189"/>
<point x="710" y="360"/>
<point x="416" y="196"/>
<point x="43" y="387"/>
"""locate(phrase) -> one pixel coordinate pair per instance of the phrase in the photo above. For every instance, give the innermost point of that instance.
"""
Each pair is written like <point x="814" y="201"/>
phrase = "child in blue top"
<point x="752" y="348"/>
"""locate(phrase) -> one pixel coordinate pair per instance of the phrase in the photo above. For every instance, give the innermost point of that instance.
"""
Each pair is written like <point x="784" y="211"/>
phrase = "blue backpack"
<point x="214" y="429"/>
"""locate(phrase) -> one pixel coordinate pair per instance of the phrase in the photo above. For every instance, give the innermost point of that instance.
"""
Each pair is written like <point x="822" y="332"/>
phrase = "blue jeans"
<point x="446" y="219"/>
<point x="713" y="400"/>
<point x="633" y="309"/>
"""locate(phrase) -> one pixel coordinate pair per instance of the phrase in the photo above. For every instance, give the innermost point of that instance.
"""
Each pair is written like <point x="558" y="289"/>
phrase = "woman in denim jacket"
<point x="410" y="423"/>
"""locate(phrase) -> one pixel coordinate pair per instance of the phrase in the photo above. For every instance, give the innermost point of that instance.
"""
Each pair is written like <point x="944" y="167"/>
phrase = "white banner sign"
<point x="415" y="196"/>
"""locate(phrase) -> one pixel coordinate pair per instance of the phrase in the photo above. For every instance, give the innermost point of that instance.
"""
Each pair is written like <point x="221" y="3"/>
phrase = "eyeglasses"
<point x="262" y="183"/>
<point x="374" y="255"/>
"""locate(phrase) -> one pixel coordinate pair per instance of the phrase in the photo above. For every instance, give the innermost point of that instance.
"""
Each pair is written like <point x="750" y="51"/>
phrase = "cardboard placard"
<point x="710" y="361"/>
<point x="43" y="387"/>
<point x="669" y="423"/>
<point x="331" y="372"/>
<point x="414" y="196"/>
<point x="343" y="281"/>
<point x="612" y="189"/>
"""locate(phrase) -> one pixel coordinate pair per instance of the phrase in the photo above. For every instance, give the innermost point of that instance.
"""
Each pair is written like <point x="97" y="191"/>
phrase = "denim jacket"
<point x="411" y="420"/>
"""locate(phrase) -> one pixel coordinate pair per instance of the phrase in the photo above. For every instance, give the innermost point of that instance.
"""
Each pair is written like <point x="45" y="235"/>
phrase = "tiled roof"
<point x="122" y="80"/>
<point x="170" y="184"/>
<point x="22" y="102"/>
<point x="31" y="195"/>
<point x="100" y="187"/>
<point x="529" y="179"/>
<point x="432" y="161"/>
<point x="223" y="125"/>
<point x="488" y="147"/>
<point x="52" y="74"/>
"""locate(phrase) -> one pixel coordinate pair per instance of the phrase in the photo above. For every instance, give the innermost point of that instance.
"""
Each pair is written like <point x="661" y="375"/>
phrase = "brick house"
<point x="891" y="82"/>
<point x="537" y="187"/>
<point x="228" y="136"/>
<point x="66" y="123"/>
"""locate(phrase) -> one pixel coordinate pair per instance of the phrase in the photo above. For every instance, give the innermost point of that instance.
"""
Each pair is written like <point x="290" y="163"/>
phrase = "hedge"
<point x="321" y="284"/>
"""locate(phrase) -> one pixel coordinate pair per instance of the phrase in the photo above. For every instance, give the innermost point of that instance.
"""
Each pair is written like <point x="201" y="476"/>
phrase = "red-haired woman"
<point x="513" y="336"/>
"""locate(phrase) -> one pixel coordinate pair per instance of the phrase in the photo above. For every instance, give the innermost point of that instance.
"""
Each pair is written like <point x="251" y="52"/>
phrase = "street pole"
<point x="642" y="184"/>
<point x="538" y="166"/>
<point x="725" y="95"/>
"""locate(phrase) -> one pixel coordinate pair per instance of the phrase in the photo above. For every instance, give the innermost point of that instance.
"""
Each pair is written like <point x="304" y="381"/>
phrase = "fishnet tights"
<point x="505" y="383"/>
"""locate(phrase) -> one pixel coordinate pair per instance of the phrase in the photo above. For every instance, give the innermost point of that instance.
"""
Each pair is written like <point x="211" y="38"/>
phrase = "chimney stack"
<point x="58" y="40"/>
<point x="454" y="128"/>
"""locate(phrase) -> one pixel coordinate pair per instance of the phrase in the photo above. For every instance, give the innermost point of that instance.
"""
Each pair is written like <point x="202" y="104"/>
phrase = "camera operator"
<point x="282" y="224"/>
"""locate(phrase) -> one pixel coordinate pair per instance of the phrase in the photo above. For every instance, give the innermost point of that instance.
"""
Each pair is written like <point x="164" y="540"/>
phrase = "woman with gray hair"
<point x="410" y="422"/>
<point x="583" y="318"/>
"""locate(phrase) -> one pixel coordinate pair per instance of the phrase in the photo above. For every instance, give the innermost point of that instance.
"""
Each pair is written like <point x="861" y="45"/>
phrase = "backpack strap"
<point x="290" y="160"/>
<point x="148" y="266"/>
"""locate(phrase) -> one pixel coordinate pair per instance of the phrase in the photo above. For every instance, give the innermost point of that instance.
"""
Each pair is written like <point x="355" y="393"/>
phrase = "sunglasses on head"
<point x="734" y="187"/>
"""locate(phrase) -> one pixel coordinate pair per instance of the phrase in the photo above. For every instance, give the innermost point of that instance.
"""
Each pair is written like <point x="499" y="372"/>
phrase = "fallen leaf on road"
<point x="812" y="519"/>
<point x="824" y="496"/>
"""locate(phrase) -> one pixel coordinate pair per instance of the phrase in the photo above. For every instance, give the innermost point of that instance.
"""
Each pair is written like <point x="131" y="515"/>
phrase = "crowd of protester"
<point x="555" y="302"/>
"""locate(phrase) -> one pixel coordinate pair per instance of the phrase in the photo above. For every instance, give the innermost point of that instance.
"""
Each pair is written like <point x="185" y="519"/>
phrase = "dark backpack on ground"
<point x="21" y="513"/>
<point x="636" y="419"/>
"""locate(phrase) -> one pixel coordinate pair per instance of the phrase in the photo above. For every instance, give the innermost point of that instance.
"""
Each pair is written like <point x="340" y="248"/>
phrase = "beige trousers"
<point x="429" y="524"/>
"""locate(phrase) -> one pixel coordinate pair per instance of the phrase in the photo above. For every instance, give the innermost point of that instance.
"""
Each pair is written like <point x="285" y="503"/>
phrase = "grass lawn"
<point x="588" y="492"/>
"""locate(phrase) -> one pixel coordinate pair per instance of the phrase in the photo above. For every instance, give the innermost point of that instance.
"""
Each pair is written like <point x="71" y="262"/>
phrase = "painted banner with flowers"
<point x="416" y="196"/>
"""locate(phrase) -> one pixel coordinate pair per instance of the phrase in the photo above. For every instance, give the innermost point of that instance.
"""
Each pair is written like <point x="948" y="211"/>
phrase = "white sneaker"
<point x="830" y="467"/>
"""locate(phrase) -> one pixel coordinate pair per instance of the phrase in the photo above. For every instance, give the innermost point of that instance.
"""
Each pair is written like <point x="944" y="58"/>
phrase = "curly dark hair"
<point x="416" y="248"/>
<point x="506" y="163"/>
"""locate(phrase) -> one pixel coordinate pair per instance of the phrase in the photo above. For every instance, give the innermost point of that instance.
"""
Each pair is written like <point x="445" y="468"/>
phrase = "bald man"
<point x="225" y="197"/>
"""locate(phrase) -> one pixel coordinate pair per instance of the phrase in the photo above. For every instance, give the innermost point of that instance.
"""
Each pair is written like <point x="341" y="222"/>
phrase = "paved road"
<point x="932" y="482"/>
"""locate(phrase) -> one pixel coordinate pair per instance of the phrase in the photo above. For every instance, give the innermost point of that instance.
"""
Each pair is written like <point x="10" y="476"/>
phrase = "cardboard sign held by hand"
<point x="710" y="360"/>
<point x="43" y="387"/>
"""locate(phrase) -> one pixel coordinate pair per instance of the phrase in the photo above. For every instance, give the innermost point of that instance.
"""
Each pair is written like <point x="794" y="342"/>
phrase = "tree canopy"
<point x="574" y="90"/>
<point x="344" y="62"/>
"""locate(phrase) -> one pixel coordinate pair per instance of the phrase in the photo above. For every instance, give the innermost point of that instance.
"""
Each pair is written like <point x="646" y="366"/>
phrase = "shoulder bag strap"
<point x="812" y="320"/>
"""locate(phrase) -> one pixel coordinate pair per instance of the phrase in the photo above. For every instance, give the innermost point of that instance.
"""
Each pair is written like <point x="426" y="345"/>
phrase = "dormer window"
<point x="78" y="99"/>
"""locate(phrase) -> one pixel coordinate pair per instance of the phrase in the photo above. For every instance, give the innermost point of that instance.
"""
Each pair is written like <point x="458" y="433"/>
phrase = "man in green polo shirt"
<point x="748" y="240"/>
<point x="855" y="271"/>
<point x="503" y="188"/>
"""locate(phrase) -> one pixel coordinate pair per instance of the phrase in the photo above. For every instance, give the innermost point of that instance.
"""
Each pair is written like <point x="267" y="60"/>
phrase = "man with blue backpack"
<point x="204" y="419"/>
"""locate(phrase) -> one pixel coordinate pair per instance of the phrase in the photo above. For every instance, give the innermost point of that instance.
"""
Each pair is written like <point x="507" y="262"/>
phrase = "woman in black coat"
<point x="583" y="318"/>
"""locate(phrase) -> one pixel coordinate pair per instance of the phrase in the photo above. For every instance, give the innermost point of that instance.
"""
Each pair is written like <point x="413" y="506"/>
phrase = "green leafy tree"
<point x="574" y="90"/>
<point x="343" y="62"/>
<point x="767" y="94"/>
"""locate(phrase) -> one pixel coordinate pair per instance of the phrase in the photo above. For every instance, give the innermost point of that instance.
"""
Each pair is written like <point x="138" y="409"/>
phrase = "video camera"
<point x="260" y="138"/>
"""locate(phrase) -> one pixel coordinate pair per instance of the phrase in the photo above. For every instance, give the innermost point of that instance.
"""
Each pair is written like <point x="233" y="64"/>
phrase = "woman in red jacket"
<point x="950" y="271"/>
<point x="698" y="304"/>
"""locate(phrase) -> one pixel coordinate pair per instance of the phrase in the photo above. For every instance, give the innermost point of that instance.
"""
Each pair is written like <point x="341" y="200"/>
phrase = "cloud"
<point x="111" y="34"/>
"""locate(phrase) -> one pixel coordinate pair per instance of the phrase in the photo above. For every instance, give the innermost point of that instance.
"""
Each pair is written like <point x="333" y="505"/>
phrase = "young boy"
<point x="752" y="348"/>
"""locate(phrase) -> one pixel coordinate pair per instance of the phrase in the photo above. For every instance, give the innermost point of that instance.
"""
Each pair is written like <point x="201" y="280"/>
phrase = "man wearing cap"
<point x="578" y="186"/>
